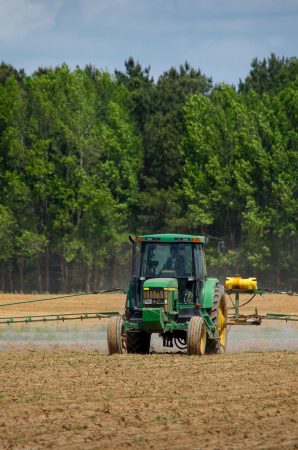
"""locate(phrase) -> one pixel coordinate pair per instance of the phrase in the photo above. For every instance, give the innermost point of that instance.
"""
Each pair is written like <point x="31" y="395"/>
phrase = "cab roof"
<point x="172" y="238"/>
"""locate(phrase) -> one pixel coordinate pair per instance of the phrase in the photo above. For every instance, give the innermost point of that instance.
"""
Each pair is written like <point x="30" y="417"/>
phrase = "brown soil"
<point x="99" y="302"/>
<point x="86" y="400"/>
<point x="60" y="397"/>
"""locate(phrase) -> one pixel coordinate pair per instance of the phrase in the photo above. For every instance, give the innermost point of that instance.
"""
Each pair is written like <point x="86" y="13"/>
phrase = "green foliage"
<point x="270" y="75"/>
<point x="87" y="158"/>
<point x="158" y="112"/>
<point x="30" y="244"/>
<point x="7" y="232"/>
<point x="240" y="176"/>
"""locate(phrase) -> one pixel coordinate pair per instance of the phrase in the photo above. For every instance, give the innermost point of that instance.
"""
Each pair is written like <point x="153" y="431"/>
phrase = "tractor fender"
<point x="207" y="292"/>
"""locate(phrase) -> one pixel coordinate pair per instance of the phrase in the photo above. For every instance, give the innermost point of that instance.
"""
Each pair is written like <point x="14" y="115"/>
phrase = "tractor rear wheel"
<point x="116" y="338"/>
<point x="218" y="317"/>
<point x="196" y="336"/>
<point x="138" y="342"/>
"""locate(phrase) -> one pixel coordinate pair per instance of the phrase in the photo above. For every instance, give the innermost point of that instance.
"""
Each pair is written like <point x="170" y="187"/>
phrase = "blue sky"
<point x="221" y="37"/>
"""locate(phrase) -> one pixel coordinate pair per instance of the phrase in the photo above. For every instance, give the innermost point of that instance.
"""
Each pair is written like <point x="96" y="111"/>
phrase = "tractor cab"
<point x="167" y="259"/>
<point x="168" y="262"/>
<point x="169" y="265"/>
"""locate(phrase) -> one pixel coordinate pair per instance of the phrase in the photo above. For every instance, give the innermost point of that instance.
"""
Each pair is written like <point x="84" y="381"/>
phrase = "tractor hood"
<point x="169" y="283"/>
<point x="158" y="302"/>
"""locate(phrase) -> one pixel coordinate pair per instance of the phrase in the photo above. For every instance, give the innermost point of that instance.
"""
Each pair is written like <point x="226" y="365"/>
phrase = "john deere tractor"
<point x="170" y="295"/>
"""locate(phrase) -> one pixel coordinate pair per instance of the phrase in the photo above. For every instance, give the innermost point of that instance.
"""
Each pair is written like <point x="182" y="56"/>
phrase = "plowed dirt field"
<point x="59" y="389"/>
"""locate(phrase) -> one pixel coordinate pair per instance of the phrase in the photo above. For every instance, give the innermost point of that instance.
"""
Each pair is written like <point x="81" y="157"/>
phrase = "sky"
<point x="220" y="37"/>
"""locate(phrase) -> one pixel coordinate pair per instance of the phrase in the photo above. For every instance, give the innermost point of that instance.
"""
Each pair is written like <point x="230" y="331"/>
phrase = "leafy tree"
<point x="87" y="157"/>
<point x="7" y="244"/>
<point x="8" y="71"/>
<point x="140" y="85"/>
<point x="161" y="133"/>
<point x="29" y="246"/>
<point x="270" y="75"/>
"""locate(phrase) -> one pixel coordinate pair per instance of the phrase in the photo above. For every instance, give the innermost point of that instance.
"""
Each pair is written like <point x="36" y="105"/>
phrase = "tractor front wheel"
<point x="138" y="342"/>
<point x="116" y="337"/>
<point x="196" y="336"/>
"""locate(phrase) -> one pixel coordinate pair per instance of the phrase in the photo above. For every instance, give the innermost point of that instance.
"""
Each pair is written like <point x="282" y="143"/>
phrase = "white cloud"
<point x="219" y="36"/>
<point x="18" y="18"/>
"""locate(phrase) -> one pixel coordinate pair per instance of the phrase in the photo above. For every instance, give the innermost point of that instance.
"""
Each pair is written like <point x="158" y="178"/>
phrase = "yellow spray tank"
<point x="243" y="284"/>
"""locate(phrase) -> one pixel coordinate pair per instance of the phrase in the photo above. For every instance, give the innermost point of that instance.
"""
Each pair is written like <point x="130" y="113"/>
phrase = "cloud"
<point x="219" y="36"/>
<point x="18" y="18"/>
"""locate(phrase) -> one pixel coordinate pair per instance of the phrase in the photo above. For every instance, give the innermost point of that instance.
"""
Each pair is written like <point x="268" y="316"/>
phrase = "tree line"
<point x="88" y="157"/>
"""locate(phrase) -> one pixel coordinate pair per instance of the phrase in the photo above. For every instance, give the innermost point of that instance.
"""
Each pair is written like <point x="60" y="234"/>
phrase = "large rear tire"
<point x="138" y="342"/>
<point x="218" y="317"/>
<point x="115" y="334"/>
<point x="196" y="336"/>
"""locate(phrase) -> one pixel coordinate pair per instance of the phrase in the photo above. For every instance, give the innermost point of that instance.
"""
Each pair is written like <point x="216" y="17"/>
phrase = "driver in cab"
<point x="175" y="262"/>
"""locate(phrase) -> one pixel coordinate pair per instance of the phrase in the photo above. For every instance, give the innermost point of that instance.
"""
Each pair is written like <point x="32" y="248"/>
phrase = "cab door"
<point x="200" y="270"/>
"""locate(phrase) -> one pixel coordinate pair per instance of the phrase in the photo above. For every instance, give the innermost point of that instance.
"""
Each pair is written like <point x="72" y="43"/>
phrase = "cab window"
<point x="200" y="260"/>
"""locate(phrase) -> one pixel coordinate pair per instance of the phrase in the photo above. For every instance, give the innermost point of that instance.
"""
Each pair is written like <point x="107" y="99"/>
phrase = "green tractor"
<point x="171" y="295"/>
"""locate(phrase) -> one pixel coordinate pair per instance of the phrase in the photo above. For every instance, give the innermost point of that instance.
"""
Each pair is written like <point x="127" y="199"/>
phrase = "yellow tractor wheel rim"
<point x="202" y="339"/>
<point x="221" y="326"/>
